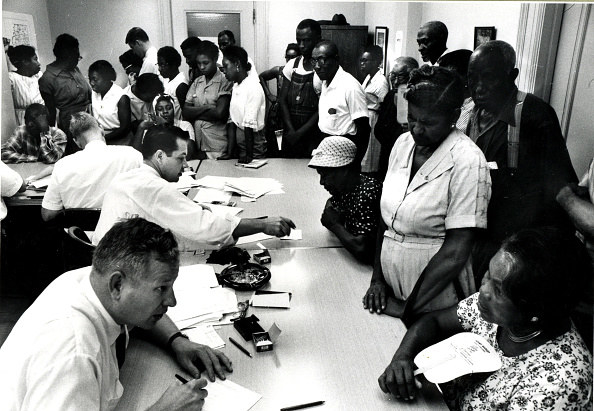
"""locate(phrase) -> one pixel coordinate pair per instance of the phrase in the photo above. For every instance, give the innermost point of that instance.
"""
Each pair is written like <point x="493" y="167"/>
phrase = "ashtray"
<point x="245" y="277"/>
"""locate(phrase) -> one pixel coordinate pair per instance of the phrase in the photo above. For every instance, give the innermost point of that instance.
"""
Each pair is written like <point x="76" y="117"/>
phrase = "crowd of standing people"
<point x="455" y="186"/>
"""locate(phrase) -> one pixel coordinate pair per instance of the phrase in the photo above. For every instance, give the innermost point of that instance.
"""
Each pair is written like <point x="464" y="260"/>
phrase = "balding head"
<point x="325" y="60"/>
<point x="400" y="72"/>
<point x="491" y="74"/>
<point x="432" y="38"/>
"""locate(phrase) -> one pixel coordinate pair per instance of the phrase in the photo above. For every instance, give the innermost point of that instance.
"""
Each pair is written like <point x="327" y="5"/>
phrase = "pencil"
<point x="182" y="379"/>
<point x="301" y="406"/>
<point x="243" y="350"/>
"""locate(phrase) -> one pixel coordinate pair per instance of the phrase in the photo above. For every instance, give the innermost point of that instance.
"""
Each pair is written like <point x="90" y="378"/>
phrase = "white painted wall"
<point x="462" y="18"/>
<point x="101" y="26"/>
<point x="397" y="16"/>
<point x="38" y="9"/>
<point x="283" y="17"/>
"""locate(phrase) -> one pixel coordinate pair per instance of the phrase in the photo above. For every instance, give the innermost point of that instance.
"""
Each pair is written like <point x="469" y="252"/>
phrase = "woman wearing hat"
<point x="352" y="213"/>
<point x="436" y="197"/>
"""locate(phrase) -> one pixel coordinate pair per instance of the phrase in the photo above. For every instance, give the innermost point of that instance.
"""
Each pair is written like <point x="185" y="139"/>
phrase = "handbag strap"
<point x="513" y="132"/>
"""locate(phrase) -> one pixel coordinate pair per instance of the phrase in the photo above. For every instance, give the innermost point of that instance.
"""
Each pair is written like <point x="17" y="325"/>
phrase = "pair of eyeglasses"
<point x="322" y="60"/>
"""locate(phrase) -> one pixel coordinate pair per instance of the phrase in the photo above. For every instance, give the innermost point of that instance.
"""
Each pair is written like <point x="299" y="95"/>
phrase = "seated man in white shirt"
<point x="81" y="179"/>
<point x="342" y="107"/>
<point x="146" y="192"/>
<point x="65" y="351"/>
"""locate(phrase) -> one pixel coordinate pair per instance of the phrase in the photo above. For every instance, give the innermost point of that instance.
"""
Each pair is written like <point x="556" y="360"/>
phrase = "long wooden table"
<point x="303" y="201"/>
<point x="330" y="348"/>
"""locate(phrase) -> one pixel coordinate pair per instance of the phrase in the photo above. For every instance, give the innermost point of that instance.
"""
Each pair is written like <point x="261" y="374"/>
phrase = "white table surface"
<point x="303" y="201"/>
<point x="330" y="348"/>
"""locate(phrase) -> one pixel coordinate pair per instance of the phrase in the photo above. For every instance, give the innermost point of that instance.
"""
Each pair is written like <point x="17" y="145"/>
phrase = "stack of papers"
<point x="252" y="187"/>
<point x="199" y="297"/>
<point x="185" y="182"/>
<point x="42" y="183"/>
<point x="205" y="334"/>
<point x="227" y="395"/>
<point x="253" y="164"/>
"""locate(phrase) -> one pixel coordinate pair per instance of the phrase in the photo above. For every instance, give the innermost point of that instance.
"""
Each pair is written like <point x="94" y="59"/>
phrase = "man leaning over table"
<point x="342" y="107"/>
<point x="147" y="192"/>
<point x="81" y="179"/>
<point x="65" y="351"/>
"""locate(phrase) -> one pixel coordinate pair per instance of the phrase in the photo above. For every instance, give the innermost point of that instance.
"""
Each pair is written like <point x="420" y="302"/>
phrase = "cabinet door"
<point x="351" y="41"/>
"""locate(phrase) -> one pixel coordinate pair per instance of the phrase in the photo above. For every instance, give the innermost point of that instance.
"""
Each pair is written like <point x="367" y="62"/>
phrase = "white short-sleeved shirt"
<point x="149" y="62"/>
<point x="143" y="193"/>
<point x="341" y="103"/>
<point x="451" y="190"/>
<point x="170" y="88"/>
<point x="290" y="68"/>
<point x="10" y="183"/>
<point x="137" y="106"/>
<point x="80" y="180"/>
<point x="248" y="104"/>
<point x="61" y="354"/>
<point x="375" y="88"/>
<point x="105" y="109"/>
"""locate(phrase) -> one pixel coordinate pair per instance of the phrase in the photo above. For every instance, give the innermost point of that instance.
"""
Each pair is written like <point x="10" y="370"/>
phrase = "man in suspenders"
<point x="521" y="138"/>
<point x="299" y="96"/>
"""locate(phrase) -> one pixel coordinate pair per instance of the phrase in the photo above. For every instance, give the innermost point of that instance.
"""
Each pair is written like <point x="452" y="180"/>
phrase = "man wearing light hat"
<point x="353" y="211"/>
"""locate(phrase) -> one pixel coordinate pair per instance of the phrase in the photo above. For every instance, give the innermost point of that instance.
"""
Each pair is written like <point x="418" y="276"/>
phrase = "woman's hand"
<point x="376" y="297"/>
<point x="399" y="379"/>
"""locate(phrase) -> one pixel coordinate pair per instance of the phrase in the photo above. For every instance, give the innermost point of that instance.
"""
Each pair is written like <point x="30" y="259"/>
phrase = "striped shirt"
<point x="22" y="147"/>
<point x="25" y="91"/>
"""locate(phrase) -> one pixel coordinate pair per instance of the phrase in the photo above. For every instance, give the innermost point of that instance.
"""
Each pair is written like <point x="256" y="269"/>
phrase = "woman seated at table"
<point x="109" y="104"/>
<point x="174" y="81"/>
<point x="207" y="102"/>
<point x="522" y="310"/>
<point x="24" y="82"/>
<point x="247" y="107"/>
<point x="437" y="189"/>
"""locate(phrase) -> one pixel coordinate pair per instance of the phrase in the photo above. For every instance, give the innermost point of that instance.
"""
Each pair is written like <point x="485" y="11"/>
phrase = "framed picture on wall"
<point x="381" y="39"/>
<point x="483" y="34"/>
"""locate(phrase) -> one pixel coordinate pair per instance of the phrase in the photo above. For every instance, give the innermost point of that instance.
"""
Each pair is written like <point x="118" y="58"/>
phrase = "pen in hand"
<point x="243" y="350"/>
<point x="182" y="379"/>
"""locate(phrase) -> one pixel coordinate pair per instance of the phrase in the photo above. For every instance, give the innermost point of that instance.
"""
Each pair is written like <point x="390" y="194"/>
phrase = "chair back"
<point x="78" y="249"/>
<point x="85" y="218"/>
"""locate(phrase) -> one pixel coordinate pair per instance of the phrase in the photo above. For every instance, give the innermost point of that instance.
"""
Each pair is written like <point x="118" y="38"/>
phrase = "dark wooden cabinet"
<point x="351" y="41"/>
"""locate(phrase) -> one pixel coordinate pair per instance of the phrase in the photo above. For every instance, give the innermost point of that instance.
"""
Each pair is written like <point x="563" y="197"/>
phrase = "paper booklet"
<point x="461" y="354"/>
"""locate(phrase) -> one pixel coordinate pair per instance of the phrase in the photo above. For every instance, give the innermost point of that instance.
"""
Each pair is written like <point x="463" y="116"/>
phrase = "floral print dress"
<point x="554" y="376"/>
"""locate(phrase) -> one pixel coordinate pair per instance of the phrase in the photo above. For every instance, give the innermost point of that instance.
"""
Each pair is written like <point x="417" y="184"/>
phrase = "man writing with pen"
<point x="65" y="351"/>
<point x="146" y="192"/>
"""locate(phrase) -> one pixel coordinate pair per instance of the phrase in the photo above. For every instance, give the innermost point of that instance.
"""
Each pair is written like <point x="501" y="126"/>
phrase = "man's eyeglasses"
<point x="321" y="60"/>
<point x="241" y="312"/>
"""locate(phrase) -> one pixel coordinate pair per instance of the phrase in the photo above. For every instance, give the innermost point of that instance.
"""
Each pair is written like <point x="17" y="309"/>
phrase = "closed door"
<point x="205" y="19"/>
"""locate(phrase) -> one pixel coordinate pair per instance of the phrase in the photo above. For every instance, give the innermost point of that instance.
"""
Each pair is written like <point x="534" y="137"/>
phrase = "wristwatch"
<point x="174" y="336"/>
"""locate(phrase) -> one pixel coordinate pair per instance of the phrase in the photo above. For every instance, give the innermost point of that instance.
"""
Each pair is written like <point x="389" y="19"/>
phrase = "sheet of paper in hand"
<point x="461" y="354"/>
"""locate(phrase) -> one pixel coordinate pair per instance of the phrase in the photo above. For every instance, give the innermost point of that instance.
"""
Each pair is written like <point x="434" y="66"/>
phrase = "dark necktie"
<point x="120" y="344"/>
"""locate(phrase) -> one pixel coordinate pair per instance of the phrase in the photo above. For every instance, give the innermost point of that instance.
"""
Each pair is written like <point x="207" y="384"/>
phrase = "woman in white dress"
<point x="435" y="198"/>
<point x="24" y="82"/>
<point x="110" y="104"/>
<point x="174" y="81"/>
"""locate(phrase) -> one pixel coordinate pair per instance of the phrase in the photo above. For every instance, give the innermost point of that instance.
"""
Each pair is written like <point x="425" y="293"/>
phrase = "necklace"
<point x="523" y="338"/>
